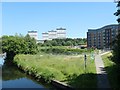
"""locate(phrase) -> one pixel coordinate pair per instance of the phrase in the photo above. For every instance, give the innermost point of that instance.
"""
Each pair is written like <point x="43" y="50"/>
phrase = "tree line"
<point x="65" y="42"/>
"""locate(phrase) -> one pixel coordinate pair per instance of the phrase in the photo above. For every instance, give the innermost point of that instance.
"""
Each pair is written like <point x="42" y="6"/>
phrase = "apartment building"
<point x="59" y="33"/>
<point x="45" y="36"/>
<point x="103" y="37"/>
<point x="33" y="34"/>
<point x="52" y="34"/>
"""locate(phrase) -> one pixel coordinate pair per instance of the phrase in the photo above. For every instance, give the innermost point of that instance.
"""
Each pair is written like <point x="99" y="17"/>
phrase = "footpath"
<point x="101" y="73"/>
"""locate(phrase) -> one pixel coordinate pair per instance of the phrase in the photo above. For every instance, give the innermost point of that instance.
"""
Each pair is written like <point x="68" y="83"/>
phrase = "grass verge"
<point x="64" y="68"/>
<point x="112" y="71"/>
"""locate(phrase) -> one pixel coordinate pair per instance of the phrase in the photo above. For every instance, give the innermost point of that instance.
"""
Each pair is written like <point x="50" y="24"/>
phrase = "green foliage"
<point x="116" y="50"/>
<point x="113" y="71"/>
<point x="64" y="42"/>
<point x="13" y="45"/>
<point x="63" y="50"/>
<point x="59" y="67"/>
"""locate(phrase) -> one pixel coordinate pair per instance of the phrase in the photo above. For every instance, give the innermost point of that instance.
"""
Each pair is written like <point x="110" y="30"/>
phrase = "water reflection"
<point x="12" y="77"/>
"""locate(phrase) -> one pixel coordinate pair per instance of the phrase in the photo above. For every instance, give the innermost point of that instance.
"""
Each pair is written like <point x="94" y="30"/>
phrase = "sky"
<point x="76" y="17"/>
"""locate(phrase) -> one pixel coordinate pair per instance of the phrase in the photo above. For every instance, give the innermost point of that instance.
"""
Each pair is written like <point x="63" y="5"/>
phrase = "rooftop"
<point x="32" y="31"/>
<point x="61" y="28"/>
<point x="102" y="28"/>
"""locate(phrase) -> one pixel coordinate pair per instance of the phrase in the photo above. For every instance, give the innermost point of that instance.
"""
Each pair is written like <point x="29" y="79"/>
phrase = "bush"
<point x="66" y="51"/>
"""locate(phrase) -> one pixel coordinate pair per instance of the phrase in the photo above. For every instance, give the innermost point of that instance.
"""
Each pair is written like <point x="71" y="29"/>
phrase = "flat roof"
<point x="61" y="28"/>
<point x="44" y="33"/>
<point x="104" y="27"/>
<point x="52" y="31"/>
<point x="32" y="31"/>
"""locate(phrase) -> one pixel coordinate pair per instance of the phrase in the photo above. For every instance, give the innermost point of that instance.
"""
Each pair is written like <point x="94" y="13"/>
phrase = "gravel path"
<point x="101" y="73"/>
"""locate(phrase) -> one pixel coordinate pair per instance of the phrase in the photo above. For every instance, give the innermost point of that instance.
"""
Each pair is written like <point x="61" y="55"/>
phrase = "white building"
<point x="33" y="34"/>
<point x="61" y="33"/>
<point x="52" y="34"/>
<point x="45" y="36"/>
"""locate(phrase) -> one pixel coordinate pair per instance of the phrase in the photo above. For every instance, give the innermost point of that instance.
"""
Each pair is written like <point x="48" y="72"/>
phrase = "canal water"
<point x="12" y="77"/>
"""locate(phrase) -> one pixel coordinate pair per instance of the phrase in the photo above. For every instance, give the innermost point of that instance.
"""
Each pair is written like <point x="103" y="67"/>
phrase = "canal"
<point x="12" y="77"/>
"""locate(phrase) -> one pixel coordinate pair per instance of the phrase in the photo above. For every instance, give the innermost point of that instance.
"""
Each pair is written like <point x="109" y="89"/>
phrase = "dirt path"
<point x="101" y="73"/>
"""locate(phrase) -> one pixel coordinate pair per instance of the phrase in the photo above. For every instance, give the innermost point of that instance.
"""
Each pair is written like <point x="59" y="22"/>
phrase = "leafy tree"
<point x="116" y="50"/>
<point x="13" y="45"/>
<point x="68" y="43"/>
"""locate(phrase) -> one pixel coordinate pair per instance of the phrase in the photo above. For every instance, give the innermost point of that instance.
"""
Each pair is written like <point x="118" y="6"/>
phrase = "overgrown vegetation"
<point x="116" y="50"/>
<point x="64" y="50"/>
<point x="64" y="42"/>
<point x="113" y="71"/>
<point x="64" y="68"/>
<point x="18" y="44"/>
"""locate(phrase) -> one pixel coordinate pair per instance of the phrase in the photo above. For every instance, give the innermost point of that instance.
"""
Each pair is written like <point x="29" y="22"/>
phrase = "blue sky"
<point x="76" y="17"/>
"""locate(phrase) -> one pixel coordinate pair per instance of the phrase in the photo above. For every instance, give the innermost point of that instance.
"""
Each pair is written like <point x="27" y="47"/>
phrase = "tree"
<point x="116" y="50"/>
<point x="69" y="43"/>
<point x="13" y="45"/>
<point x="116" y="43"/>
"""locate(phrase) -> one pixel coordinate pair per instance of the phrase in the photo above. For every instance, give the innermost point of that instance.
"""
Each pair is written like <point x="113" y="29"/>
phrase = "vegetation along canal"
<point x="12" y="77"/>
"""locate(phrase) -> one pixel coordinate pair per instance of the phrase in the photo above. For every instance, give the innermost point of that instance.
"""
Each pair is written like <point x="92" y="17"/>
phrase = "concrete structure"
<point x="45" y="36"/>
<point x="59" y="33"/>
<point x="52" y="34"/>
<point x="33" y="34"/>
<point x="103" y="37"/>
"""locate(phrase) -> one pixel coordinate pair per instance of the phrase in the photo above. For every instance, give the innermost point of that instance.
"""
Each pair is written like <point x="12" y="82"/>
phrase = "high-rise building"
<point x="61" y="33"/>
<point x="52" y="34"/>
<point x="45" y="36"/>
<point x="33" y="34"/>
<point x="103" y="37"/>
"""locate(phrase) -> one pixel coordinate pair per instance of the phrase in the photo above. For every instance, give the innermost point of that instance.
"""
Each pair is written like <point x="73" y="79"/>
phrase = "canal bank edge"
<point x="61" y="85"/>
<point x="57" y="84"/>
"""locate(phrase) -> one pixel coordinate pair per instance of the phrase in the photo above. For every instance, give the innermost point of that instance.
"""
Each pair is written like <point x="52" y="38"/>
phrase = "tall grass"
<point x="113" y="71"/>
<point x="59" y="67"/>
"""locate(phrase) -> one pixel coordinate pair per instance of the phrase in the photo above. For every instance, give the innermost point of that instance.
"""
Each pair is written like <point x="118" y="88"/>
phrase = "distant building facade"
<point x="33" y="34"/>
<point x="103" y="37"/>
<point x="45" y="36"/>
<point x="52" y="34"/>
<point x="59" y="33"/>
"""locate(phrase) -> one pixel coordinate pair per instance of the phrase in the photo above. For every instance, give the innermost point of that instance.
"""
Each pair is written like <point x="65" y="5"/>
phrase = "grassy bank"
<point x="65" y="68"/>
<point x="112" y="70"/>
